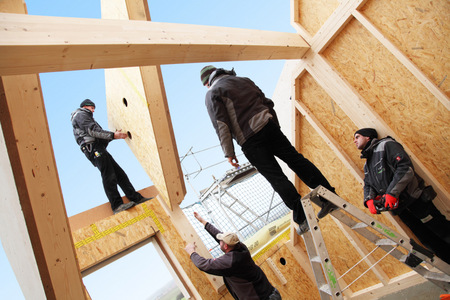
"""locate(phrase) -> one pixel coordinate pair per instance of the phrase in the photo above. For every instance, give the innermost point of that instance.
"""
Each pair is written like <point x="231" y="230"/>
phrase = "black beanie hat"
<point x="205" y="73"/>
<point x="368" y="132"/>
<point x="87" y="102"/>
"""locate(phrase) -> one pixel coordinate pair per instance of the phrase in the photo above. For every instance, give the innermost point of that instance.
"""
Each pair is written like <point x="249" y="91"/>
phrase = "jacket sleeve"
<point x="212" y="230"/>
<point x="221" y="122"/>
<point x="220" y="266"/>
<point x="402" y="168"/>
<point x="92" y="128"/>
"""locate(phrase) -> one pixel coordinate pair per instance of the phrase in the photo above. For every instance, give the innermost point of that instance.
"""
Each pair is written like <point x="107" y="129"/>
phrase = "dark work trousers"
<point x="112" y="175"/>
<point x="261" y="150"/>
<point x="430" y="226"/>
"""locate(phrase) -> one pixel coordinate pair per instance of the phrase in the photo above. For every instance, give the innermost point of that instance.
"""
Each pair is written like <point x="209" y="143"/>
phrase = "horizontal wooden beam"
<point x="36" y="44"/>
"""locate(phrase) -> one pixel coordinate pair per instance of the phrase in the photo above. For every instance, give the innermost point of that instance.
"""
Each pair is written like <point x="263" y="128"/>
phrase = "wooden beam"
<point x="35" y="44"/>
<point x="15" y="239"/>
<point x="334" y="24"/>
<point x="31" y="155"/>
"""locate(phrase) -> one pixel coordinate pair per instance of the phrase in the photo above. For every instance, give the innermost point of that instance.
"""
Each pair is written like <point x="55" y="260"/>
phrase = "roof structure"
<point x="351" y="64"/>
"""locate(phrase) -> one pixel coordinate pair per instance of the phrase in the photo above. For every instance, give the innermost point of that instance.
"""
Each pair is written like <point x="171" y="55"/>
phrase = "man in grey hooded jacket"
<point x="93" y="141"/>
<point x="239" y="110"/>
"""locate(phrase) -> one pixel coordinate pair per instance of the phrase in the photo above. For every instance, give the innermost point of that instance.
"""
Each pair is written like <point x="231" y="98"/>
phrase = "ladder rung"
<point x="437" y="276"/>
<point x="326" y="289"/>
<point x="316" y="259"/>
<point x="359" y="225"/>
<point x="385" y="242"/>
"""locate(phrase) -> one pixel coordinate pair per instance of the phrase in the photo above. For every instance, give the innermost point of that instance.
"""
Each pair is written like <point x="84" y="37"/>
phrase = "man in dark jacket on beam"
<point x="390" y="183"/>
<point x="239" y="110"/>
<point x="243" y="278"/>
<point x="93" y="141"/>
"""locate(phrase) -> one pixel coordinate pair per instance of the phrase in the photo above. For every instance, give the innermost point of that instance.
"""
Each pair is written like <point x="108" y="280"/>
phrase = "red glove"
<point x="390" y="202"/>
<point x="371" y="206"/>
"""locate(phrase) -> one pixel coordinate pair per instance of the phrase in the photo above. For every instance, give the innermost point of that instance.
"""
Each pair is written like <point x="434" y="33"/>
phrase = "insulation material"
<point x="403" y="103"/>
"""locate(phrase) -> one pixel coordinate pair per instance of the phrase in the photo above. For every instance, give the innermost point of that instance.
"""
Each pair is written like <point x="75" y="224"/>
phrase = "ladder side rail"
<point x="316" y="265"/>
<point x="442" y="280"/>
<point x="321" y="250"/>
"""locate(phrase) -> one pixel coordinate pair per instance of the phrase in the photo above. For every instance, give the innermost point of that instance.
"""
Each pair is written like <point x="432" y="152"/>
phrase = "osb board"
<point x="329" y="114"/>
<point x="420" y="29"/>
<point x="342" y="253"/>
<point x="107" y="237"/>
<point x="412" y="112"/>
<point x="103" y="211"/>
<point x="298" y="285"/>
<point x="128" y="111"/>
<point x="312" y="14"/>
<point x="139" y="223"/>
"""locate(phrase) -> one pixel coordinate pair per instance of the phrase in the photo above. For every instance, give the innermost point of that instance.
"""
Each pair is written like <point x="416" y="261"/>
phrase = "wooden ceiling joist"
<point x="36" y="44"/>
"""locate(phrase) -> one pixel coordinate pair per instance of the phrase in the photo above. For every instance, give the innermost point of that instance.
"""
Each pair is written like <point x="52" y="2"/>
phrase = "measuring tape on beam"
<point x="284" y="235"/>
<point x="100" y="234"/>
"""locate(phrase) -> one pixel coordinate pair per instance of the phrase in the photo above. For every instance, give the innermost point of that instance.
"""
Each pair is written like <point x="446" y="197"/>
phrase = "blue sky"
<point x="63" y="92"/>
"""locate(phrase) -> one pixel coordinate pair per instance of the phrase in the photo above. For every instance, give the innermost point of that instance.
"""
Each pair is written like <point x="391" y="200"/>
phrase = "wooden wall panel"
<point x="404" y="104"/>
<point x="420" y="30"/>
<point x="110" y="236"/>
<point x="299" y="285"/>
<point x="312" y="14"/>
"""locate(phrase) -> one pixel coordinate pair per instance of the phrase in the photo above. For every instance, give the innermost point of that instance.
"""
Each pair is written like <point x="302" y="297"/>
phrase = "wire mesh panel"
<point x="241" y="202"/>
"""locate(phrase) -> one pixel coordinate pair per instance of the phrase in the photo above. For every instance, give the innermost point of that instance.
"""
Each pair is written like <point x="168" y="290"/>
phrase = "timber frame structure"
<point x="351" y="64"/>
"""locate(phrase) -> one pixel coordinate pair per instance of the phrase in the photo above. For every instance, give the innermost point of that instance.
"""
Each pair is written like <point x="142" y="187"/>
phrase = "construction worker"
<point x="242" y="277"/>
<point x="239" y="109"/>
<point x="390" y="183"/>
<point x="93" y="141"/>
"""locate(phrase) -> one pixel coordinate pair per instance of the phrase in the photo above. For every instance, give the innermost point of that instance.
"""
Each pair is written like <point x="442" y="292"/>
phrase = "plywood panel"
<point x="298" y="285"/>
<point x="312" y="14"/>
<point x="107" y="237"/>
<point x="420" y="30"/>
<point x="404" y="104"/>
<point x="128" y="110"/>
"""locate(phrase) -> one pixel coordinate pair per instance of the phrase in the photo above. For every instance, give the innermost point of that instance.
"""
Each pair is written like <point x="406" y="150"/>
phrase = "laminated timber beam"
<point x="36" y="44"/>
<point x="34" y="220"/>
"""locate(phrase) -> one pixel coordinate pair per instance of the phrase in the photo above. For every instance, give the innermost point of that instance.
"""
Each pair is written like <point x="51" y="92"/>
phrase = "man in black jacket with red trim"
<point x="243" y="278"/>
<point x="390" y="183"/>
<point x="93" y="141"/>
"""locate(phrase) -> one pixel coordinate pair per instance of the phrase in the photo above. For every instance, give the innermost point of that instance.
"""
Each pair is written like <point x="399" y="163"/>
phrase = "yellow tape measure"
<point x="272" y="243"/>
<point x="98" y="235"/>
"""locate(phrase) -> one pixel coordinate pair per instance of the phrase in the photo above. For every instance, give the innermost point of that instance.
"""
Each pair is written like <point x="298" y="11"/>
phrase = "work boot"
<point x="124" y="206"/>
<point x="142" y="200"/>
<point x="303" y="227"/>
<point x="327" y="207"/>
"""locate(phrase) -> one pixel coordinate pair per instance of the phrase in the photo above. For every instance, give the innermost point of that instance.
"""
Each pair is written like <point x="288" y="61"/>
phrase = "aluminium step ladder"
<point x="326" y="279"/>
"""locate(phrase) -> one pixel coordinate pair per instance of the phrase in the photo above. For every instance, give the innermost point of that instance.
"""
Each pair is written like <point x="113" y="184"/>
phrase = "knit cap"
<point x="368" y="132"/>
<point x="205" y="73"/>
<point x="87" y="102"/>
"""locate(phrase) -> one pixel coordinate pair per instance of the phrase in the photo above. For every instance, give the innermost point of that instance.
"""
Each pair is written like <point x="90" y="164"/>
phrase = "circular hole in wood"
<point x="125" y="102"/>
<point x="283" y="261"/>
<point x="129" y="135"/>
